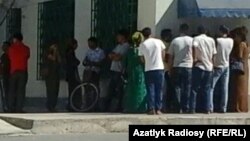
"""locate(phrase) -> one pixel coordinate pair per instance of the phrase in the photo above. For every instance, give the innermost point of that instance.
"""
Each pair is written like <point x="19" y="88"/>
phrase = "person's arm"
<point x="28" y="53"/>
<point x="115" y="56"/>
<point x="142" y="59"/>
<point x="85" y="61"/>
<point x="72" y="60"/>
<point x="214" y="51"/>
<point x="141" y="54"/>
<point x="170" y="57"/>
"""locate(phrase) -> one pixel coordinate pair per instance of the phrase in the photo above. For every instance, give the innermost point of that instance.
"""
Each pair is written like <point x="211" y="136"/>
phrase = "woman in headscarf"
<point x="238" y="99"/>
<point x="135" y="93"/>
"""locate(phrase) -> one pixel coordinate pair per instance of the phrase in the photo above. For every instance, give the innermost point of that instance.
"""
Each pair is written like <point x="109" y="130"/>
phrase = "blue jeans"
<point x="182" y="78"/>
<point x="154" y="84"/>
<point x="201" y="85"/>
<point x="220" y="81"/>
<point x="169" y="100"/>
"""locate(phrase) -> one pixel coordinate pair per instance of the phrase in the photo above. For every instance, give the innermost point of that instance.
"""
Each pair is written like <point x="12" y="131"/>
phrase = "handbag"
<point x="237" y="66"/>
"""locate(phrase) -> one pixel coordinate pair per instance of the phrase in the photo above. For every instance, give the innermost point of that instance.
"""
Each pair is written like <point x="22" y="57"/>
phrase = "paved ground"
<point x="83" y="137"/>
<point x="80" y="123"/>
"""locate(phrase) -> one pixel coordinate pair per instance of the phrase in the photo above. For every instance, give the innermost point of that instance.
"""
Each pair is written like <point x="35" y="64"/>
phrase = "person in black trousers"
<point x="72" y="74"/>
<point x="5" y="72"/>
<point x="18" y="54"/>
<point x="51" y="73"/>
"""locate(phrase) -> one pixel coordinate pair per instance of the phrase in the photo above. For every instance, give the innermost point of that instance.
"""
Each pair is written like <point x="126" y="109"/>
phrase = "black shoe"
<point x="52" y="110"/>
<point x="192" y="112"/>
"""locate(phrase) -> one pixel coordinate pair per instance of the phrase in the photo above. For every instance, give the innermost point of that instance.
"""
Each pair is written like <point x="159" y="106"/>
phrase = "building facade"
<point x="81" y="19"/>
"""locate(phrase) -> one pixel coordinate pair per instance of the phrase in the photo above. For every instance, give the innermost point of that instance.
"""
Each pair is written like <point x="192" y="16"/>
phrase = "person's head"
<point x="122" y="36"/>
<point x="202" y="30"/>
<point x="239" y="37"/>
<point x="223" y="30"/>
<point x="137" y="38"/>
<point x="53" y="48"/>
<point x="92" y="42"/>
<point x="17" y="37"/>
<point x="5" y="46"/>
<point x="244" y="30"/>
<point x="146" y="32"/>
<point x="184" y="28"/>
<point x="166" y="35"/>
<point x="73" y="44"/>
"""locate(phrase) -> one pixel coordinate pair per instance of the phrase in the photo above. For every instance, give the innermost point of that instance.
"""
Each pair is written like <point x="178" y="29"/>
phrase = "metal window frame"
<point x="107" y="17"/>
<point x="61" y="13"/>
<point x="13" y="22"/>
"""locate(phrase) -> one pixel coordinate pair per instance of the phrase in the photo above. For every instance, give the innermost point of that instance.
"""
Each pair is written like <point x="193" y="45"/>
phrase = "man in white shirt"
<point x="152" y="52"/>
<point x="204" y="50"/>
<point x="115" y="92"/>
<point x="221" y="71"/>
<point x="181" y="63"/>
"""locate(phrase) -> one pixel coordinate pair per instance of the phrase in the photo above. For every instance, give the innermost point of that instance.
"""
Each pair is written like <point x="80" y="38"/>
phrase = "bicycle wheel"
<point x="88" y="95"/>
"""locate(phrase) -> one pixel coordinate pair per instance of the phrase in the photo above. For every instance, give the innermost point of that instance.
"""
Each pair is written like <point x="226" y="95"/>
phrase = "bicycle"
<point x="89" y="94"/>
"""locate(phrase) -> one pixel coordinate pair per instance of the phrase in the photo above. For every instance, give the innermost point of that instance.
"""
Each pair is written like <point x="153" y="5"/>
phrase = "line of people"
<point x="201" y="74"/>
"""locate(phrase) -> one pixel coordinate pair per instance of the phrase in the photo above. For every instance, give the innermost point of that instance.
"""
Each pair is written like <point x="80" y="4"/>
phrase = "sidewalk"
<point x="76" y="123"/>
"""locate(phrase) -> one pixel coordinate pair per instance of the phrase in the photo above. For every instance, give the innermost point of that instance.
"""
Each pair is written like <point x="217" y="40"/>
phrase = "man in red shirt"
<point x="18" y="54"/>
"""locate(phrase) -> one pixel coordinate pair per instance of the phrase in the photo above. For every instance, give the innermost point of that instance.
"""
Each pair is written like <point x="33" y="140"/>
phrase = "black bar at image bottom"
<point x="189" y="132"/>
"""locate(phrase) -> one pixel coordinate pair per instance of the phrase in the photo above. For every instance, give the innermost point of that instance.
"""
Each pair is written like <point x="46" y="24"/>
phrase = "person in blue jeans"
<point x="204" y="50"/>
<point x="225" y="45"/>
<point x="152" y="53"/>
<point x="181" y="60"/>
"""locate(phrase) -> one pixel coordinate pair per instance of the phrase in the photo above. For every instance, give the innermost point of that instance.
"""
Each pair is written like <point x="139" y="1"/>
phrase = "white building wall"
<point x="146" y="14"/>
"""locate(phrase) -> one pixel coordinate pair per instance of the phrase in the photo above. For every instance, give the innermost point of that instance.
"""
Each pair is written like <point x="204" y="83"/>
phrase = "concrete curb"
<point x="84" y="123"/>
<point x="8" y="129"/>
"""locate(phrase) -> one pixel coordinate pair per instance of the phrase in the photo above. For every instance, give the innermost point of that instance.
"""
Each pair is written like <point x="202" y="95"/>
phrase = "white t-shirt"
<point x="205" y="49"/>
<point x="121" y="49"/>
<point x="181" y="50"/>
<point x="151" y="49"/>
<point x="224" y="48"/>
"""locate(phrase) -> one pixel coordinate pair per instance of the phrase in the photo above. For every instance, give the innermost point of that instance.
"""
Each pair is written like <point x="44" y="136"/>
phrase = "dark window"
<point x="55" y="22"/>
<point x="13" y="22"/>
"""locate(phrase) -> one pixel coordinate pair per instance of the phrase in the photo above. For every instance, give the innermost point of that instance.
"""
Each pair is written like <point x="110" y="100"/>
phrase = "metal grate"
<point x="108" y="16"/>
<point x="55" y="21"/>
<point x="13" y="22"/>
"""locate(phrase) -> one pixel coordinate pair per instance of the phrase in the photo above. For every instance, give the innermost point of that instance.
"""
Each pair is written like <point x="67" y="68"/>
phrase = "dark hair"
<point x="202" y="30"/>
<point x="146" y="32"/>
<point x="72" y="42"/>
<point x="184" y="27"/>
<point x="166" y="33"/>
<point x="244" y="30"/>
<point x="241" y="34"/>
<point x="124" y="33"/>
<point x="223" y="29"/>
<point x="93" y="39"/>
<point x="18" y="36"/>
